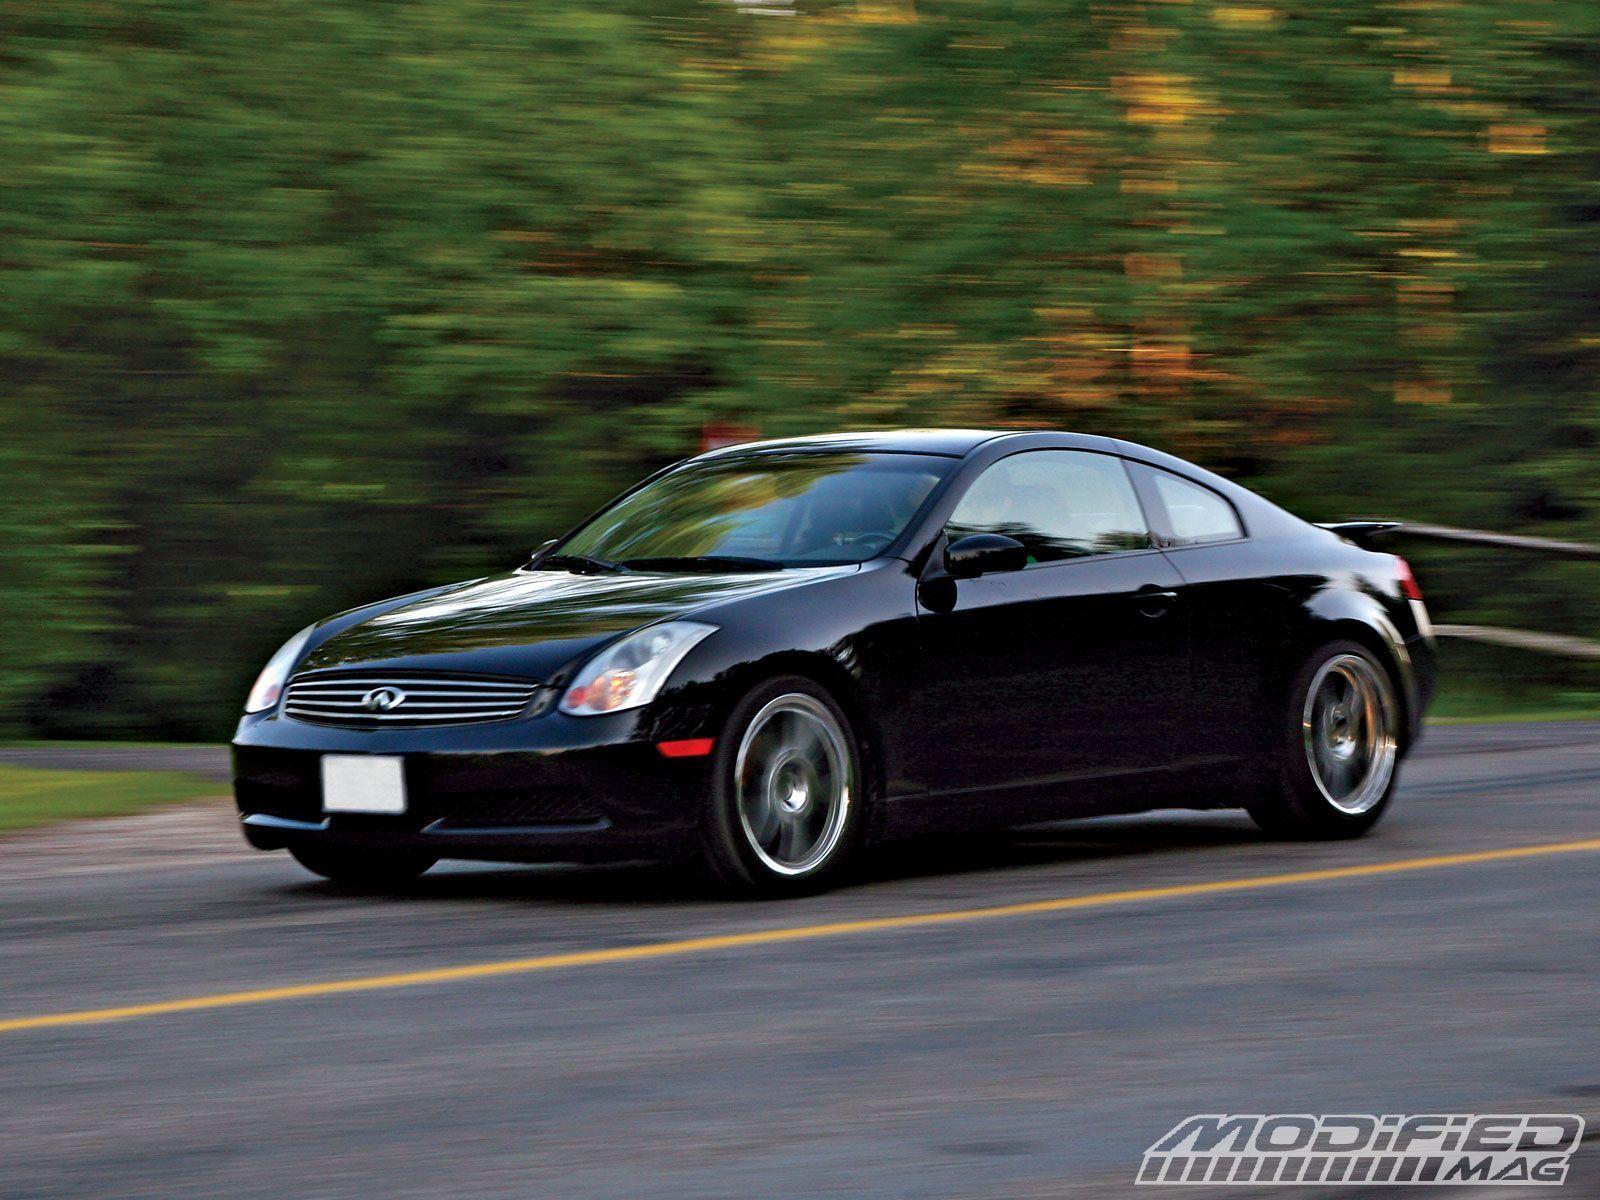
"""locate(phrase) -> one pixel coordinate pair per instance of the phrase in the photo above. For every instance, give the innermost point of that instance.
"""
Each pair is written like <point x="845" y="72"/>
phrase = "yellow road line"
<point x="771" y="937"/>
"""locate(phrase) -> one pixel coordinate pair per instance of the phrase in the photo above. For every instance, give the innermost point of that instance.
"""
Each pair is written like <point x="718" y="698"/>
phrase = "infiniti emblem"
<point x="381" y="700"/>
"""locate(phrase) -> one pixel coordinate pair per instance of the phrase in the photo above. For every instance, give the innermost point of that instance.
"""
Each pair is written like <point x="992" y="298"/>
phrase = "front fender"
<point x="855" y="635"/>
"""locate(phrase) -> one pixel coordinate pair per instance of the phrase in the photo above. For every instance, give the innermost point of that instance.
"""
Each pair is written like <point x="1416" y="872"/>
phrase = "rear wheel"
<point x="1334" y="769"/>
<point x="786" y="801"/>
<point x="363" y="868"/>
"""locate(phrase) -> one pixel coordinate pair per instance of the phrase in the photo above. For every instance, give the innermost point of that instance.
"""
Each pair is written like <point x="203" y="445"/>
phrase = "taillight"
<point x="1408" y="581"/>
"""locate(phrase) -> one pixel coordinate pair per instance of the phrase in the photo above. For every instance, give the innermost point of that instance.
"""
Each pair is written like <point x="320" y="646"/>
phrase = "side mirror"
<point x="541" y="548"/>
<point x="984" y="554"/>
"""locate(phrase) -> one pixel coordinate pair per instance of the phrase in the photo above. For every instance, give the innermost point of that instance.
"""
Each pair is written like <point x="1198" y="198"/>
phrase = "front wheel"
<point x="786" y="801"/>
<point x="363" y="868"/>
<point x="1333" y="771"/>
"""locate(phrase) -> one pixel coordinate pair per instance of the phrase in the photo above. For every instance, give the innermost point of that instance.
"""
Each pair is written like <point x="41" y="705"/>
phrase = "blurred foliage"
<point x="308" y="303"/>
<point x="1493" y="683"/>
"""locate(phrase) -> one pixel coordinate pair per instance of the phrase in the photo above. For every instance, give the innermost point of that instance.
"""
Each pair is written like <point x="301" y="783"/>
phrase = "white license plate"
<point x="363" y="783"/>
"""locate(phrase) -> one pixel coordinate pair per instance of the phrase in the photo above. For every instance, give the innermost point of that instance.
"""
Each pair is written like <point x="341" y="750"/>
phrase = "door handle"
<point x="1154" y="601"/>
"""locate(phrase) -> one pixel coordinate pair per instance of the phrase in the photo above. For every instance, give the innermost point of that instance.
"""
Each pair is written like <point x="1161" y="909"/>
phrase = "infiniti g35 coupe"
<point x="771" y="656"/>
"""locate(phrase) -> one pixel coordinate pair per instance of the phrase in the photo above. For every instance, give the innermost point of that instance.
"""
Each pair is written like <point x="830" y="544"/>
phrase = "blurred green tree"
<point x="307" y="303"/>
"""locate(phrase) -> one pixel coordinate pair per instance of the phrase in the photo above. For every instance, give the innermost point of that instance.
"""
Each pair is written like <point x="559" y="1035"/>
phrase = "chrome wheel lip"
<point x="796" y="782"/>
<point x="1348" y="729"/>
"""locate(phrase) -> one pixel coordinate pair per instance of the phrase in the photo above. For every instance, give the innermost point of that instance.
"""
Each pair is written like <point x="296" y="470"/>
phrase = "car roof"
<point x="1261" y="514"/>
<point x="952" y="442"/>
<point x="959" y="443"/>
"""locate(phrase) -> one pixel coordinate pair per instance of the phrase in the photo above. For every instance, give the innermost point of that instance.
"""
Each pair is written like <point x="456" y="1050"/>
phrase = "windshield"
<point x="796" y="509"/>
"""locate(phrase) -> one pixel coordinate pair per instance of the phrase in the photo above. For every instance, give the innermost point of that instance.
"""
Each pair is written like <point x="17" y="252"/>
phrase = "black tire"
<point x="1302" y="776"/>
<point x="742" y="843"/>
<point x="363" y="868"/>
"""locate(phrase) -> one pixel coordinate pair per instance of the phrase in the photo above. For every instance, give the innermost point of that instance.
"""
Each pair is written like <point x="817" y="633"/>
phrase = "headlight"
<point x="629" y="673"/>
<point x="269" y="684"/>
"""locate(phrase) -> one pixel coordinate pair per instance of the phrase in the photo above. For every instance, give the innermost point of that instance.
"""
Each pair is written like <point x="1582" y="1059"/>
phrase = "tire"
<point x="363" y="868"/>
<point x="787" y="800"/>
<point x="1335" y="761"/>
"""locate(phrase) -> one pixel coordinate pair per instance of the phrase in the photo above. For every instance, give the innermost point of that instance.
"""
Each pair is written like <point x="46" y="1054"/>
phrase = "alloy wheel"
<point x="793" y="784"/>
<point x="1348" y="730"/>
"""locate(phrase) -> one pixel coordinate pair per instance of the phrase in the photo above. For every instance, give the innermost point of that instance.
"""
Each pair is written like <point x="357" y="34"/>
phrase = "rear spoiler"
<point x="1359" y="532"/>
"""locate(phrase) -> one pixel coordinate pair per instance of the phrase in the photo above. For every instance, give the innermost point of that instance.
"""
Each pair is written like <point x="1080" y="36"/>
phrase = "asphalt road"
<point x="1034" y="1054"/>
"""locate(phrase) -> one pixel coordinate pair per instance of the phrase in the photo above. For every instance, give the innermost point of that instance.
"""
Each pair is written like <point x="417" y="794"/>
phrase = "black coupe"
<point x="770" y="656"/>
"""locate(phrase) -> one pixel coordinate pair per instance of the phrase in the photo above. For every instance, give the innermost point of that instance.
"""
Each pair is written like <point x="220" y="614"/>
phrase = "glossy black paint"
<point x="1111" y="682"/>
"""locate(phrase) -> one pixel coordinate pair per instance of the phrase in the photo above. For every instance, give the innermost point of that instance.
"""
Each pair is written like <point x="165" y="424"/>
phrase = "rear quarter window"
<point x="1196" y="514"/>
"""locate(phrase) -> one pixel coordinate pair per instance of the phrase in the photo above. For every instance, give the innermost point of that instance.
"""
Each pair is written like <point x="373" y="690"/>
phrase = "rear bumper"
<point x="1421" y="683"/>
<point x="553" y="788"/>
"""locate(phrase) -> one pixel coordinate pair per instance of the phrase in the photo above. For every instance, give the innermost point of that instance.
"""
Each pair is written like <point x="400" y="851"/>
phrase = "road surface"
<point x="1149" y="968"/>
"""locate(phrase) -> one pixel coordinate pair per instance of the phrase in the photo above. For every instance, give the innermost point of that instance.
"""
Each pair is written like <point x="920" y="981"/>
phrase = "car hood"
<point x="531" y="624"/>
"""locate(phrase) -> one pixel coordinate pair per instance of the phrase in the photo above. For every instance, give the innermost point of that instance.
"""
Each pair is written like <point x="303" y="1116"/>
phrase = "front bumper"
<point x="542" y="789"/>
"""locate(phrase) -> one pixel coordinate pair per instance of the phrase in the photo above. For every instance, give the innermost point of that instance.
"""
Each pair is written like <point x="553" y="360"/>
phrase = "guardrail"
<point x="1522" y="639"/>
<point x="1504" y="541"/>
<point x="1494" y="635"/>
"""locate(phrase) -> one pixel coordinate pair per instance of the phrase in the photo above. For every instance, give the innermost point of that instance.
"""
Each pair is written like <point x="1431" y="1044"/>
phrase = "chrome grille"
<point x="372" y="699"/>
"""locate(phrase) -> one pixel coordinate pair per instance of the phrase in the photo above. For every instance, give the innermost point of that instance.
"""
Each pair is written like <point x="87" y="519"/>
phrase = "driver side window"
<point x="1058" y="503"/>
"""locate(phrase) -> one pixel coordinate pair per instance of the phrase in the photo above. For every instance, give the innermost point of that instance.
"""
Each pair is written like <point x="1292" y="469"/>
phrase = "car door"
<point x="1073" y="667"/>
<point x="1236" y="613"/>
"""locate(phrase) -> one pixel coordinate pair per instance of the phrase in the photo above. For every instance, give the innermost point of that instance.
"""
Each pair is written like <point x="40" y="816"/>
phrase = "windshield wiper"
<point x="582" y="564"/>
<point x="702" y="562"/>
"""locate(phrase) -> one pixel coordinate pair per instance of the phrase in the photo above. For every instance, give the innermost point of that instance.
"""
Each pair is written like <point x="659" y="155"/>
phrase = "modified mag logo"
<point x="1438" y="1149"/>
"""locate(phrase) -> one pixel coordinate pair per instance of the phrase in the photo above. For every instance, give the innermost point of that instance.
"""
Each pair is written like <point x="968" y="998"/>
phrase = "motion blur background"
<point x="307" y="303"/>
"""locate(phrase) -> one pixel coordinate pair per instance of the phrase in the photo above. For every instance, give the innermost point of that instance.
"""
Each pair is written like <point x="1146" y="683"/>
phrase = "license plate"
<point x="363" y="783"/>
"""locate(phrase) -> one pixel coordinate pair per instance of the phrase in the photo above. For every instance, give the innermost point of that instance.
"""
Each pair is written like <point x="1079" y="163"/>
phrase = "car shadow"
<point x="643" y="884"/>
<point x="1060" y="842"/>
